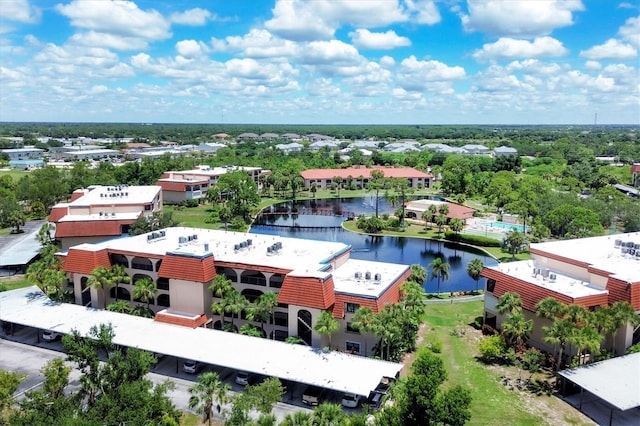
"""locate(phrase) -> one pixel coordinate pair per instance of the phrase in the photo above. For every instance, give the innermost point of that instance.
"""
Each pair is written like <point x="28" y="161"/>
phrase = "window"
<point x="141" y="263"/>
<point x="350" y="328"/>
<point x="163" y="300"/>
<point x="147" y="207"/>
<point x="118" y="259"/>
<point x="163" y="283"/>
<point x="227" y="272"/>
<point x="351" y="307"/>
<point x="123" y="293"/>
<point x="352" y="347"/>
<point x="158" y="263"/>
<point x="281" y="319"/>
<point x="491" y="285"/>
<point x="276" y="280"/>
<point x="253" y="277"/>
<point x="251" y="295"/>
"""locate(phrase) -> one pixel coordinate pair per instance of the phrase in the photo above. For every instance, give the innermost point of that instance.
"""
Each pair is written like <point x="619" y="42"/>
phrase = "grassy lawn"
<point x="12" y="283"/>
<point x="492" y="402"/>
<point x="193" y="217"/>
<point x="15" y="174"/>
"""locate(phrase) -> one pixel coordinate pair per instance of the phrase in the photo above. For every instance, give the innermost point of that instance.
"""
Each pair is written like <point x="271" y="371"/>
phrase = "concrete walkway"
<point x="461" y="299"/>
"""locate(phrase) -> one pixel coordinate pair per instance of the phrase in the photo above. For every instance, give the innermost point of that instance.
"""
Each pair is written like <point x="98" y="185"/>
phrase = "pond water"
<point x="321" y="219"/>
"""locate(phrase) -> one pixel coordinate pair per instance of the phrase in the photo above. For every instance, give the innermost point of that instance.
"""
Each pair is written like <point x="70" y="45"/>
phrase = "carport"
<point x="312" y="366"/>
<point x="612" y="385"/>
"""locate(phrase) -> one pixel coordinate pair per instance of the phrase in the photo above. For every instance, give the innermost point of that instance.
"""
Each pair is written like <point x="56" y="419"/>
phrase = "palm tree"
<point x="100" y="279"/>
<point x="474" y="269"/>
<point x="551" y="308"/>
<point x="439" y="270"/>
<point x="443" y="209"/>
<point x="299" y="418"/>
<point x="328" y="414"/>
<point x="119" y="275"/>
<point x="326" y="325"/>
<point x="269" y="301"/>
<point x="145" y="290"/>
<point x="208" y="388"/>
<point x="220" y="287"/>
<point x="250" y="330"/>
<point x="418" y="274"/>
<point x="558" y="334"/>
<point x="623" y="314"/>
<point x="426" y="216"/>
<point x="516" y="328"/>
<point x="587" y="338"/>
<point x="509" y="302"/>
<point x="441" y="221"/>
<point x="456" y="224"/>
<point x="363" y="319"/>
<point x="235" y="304"/>
<point x="433" y="209"/>
<point x="412" y="297"/>
<point x="121" y="306"/>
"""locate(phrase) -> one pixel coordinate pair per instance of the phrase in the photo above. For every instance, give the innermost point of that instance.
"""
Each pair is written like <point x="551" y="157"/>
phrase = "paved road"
<point x="22" y="353"/>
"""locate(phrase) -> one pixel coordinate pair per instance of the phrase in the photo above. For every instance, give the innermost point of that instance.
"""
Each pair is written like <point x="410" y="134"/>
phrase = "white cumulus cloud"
<point x="513" y="48"/>
<point x="122" y="18"/>
<point x="423" y="11"/>
<point x="365" y="39"/>
<point x="415" y="75"/>
<point x="611" y="49"/>
<point x="196" y="17"/>
<point x="190" y="48"/>
<point x="519" y="18"/>
<point x="630" y="32"/>
<point x="19" y="11"/>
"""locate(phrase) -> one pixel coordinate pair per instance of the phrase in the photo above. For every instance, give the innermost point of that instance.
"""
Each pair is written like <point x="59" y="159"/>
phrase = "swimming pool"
<point x="503" y="225"/>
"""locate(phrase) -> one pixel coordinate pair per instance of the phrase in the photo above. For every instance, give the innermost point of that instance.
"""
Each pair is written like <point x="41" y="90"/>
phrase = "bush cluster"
<point x="476" y="240"/>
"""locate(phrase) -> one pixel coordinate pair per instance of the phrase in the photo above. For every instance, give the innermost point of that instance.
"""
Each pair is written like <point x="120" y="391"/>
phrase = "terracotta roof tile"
<point x="184" y="321"/>
<point x="188" y="268"/>
<point x="311" y="292"/>
<point x="84" y="261"/>
<point x="85" y="228"/>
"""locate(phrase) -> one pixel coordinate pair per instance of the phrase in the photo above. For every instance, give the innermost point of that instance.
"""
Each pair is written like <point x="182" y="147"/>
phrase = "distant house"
<point x="504" y="151"/>
<point x="414" y="209"/>
<point x="635" y="175"/>
<point x="313" y="137"/>
<point x="290" y="147"/>
<point x="210" y="147"/>
<point x="269" y="136"/>
<point x="445" y="149"/>
<point x="97" y="213"/>
<point x="476" y="149"/>
<point x="248" y="136"/>
<point x="27" y="153"/>
<point x="370" y="145"/>
<point x="323" y="178"/>
<point x="317" y="146"/>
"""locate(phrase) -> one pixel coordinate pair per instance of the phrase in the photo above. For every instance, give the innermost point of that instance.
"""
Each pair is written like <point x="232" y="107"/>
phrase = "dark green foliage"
<point x="476" y="240"/>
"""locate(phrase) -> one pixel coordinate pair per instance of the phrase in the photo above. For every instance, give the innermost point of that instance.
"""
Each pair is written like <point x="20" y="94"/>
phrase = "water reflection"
<point x="321" y="219"/>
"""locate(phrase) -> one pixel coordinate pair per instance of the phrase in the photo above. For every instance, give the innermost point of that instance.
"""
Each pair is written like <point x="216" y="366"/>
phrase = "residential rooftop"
<point x="605" y="253"/>
<point x="116" y="194"/>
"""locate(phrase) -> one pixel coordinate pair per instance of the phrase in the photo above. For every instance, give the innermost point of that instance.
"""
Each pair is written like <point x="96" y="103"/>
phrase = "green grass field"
<point x="15" y="174"/>
<point x="492" y="402"/>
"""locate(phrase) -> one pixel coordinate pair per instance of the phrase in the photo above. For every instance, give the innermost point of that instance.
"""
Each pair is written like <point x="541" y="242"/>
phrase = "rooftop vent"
<point x="358" y="275"/>
<point x="377" y="277"/>
<point x="552" y="277"/>
<point x="367" y="275"/>
<point x="182" y="240"/>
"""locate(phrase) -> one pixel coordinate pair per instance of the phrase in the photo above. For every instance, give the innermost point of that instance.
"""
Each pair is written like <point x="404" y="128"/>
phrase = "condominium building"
<point x="591" y="272"/>
<point x="360" y="176"/>
<point x="180" y="186"/>
<point x="308" y="276"/>
<point x="100" y="212"/>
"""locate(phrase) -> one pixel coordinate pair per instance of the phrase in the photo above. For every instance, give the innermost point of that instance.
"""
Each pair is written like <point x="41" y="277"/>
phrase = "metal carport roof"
<point x="616" y="380"/>
<point x="332" y="370"/>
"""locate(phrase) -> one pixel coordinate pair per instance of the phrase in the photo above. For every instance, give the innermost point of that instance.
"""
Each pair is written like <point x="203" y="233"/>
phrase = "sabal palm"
<point x="299" y="418"/>
<point x="551" y="308"/>
<point x="100" y="279"/>
<point x="509" y="302"/>
<point x="145" y="290"/>
<point x="220" y="286"/>
<point x="235" y="304"/>
<point x="326" y="325"/>
<point x="207" y="390"/>
<point x="329" y="415"/>
<point x="559" y="333"/>
<point x="118" y="276"/>
<point x="443" y="209"/>
<point x="418" y="274"/>
<point x="363" y="319"/>
<point x="412" y="297"/>
<point x="623" y="313"/>
<point x="586" y="337"/>
<point x="121" y="306"/>
<point x="474" y="269"/>
<point x="517" y="328"/>
<point x="439" y="270"/>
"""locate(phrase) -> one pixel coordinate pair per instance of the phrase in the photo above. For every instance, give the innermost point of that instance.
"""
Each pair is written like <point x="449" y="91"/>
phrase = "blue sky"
<point x="321" y="61"/>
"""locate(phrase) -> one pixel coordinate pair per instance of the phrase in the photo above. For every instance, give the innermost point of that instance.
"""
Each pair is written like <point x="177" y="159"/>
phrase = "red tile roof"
<point x="84" y="261"/>
<point x="356" y="172"/>
<point x="311" y="292"/>
<point x="57" y="213"/>
<point x="635" y="168"/>
<point x="531" y="294"/>
<point x="188" y="268"/>
<point x="168" y="185"/>
<point x="85" y="228"/>
<point x="621" y="291"/>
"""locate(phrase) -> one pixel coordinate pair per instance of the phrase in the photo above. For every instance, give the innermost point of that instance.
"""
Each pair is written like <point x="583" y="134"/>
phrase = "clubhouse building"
<point x="361" y="176"/>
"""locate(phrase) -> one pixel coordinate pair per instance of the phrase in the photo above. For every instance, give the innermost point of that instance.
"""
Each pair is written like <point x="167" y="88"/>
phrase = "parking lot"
<point x="23" y="350"/>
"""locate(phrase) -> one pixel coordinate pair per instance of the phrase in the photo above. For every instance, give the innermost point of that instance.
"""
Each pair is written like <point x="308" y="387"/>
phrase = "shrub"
<point x="434" y="343"/>
<point x="476" y="240"/>
<point x="492" y="349"/>
<point x="190" y="203"/>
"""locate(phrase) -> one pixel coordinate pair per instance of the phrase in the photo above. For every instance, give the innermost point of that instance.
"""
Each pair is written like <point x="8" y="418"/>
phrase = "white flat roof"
<point x="97" y="217"/>
<point x="302" y="257"/>
<point x="563" y="284"/>
<point x="616" y="380"/>
<point x="333" y="370"/>
<point x="599" y="252"/>
<point x="117" y="194"/>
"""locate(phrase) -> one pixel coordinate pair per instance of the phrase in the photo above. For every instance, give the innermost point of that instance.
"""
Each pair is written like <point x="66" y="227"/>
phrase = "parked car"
<point x="244" y="378"/>
<point x="191" y="366"/>
<point x="350" y="400"/>
<point x="313" y="395"/>
<point x="50" y="336"/>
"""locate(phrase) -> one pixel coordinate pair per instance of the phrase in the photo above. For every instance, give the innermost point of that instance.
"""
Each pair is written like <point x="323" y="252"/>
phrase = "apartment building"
<point x="591" y="272"/>
<point x="360" y="176"/>
<point x="180" y="186"/>
<point x="309" y="277"/>
<point x="100" y="212"/>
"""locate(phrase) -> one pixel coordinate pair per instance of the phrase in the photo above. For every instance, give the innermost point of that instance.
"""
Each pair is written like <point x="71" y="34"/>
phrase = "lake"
<point x="321" y="219"/>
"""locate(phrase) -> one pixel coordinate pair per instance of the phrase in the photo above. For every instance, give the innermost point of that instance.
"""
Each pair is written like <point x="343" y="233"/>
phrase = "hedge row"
<point x="476" y="240"/>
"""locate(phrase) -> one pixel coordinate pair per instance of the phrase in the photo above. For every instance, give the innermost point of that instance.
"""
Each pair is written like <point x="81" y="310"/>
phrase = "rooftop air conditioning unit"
<point x="377" y="277"/>
<point x="552" y="277"/>
<point x="367" y="275"/>
<point x="358" y="275"/>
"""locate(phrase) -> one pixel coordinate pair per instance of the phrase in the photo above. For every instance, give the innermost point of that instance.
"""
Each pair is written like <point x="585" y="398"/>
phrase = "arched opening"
<point x="163" y="283"/>
<point x="122" y="293"/>
<point x="305" y="326"/>
<point x="229" y="273"/>
<point x="164" y="300"/>
<point x="251" y="295"/>
<point x="227" y="326"/>
<point x="118" y="259"/>
<point x="411" y="215"/>
<point x="158" y="263"/>
<point x="254" y="278"/>
<point x="138" y="277"/>
<point x="141" y="263"/>
<point x="281" y="319"/>
<point x="85" y="291"/>
<point x="276" y="280"/>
